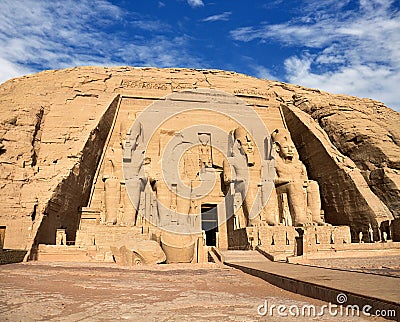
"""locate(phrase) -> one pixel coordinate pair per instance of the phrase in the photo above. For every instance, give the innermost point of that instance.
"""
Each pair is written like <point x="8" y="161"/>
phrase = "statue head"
<point x="246" y="143"/>
<point x="204" y="138"/>
<point x="284" y="145"/>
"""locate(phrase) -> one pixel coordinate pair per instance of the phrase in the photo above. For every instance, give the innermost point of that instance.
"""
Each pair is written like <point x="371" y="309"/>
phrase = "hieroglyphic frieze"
<point x="155" y="85"/>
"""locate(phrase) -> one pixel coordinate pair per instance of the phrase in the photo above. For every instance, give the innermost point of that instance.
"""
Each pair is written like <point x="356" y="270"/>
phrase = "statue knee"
<point x="312" y="186"/>
<point x="295" y="188"/>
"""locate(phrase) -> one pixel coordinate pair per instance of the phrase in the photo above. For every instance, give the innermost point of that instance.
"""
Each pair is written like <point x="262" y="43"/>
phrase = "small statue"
<point x="61" y="237"/>
<point x="111" y="190"/>
<point x="370" y="233"/>
<point x="360" y="237"/>
<point x="291" y="178"/>
<point x="205" y="155"/>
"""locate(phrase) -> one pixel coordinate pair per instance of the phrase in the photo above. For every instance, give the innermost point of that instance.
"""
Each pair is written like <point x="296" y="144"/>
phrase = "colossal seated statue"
<point x="248" y="180"/>
<point x="291" y="179"/>
<point x="134" y="159"/>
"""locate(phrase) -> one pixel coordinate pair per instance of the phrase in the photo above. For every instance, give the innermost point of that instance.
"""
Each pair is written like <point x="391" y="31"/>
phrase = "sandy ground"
<point x="94" y="292"/>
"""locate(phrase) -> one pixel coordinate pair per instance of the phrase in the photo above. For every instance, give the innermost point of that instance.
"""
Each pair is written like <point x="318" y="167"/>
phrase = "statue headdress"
<point x="280" y="136"/>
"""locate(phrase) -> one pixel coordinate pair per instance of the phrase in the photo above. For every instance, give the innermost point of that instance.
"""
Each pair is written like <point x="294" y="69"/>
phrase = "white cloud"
<point x="159" y="52"/>
<point x="59" y="34"/>
<point x="221" y="17"/>
<point x="10" y="70"/>
<point x="262" y="72"/>
<point x="371" y="81"/>
<point x="353" y="52"/>
<point x="195" y="3"/>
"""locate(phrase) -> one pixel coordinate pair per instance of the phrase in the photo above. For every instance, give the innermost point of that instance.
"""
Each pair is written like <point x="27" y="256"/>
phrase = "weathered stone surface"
<point x="346" y="197"/>
<point x="364" y="130"/>
<point x="178" y="248"/>
<point x="292" y="184"/>
<point x="55" y="124"/>
<point x="138" y="253"/>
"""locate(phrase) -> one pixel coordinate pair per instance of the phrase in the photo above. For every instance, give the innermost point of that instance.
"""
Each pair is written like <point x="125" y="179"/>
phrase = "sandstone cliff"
<point x="53" y="126"/>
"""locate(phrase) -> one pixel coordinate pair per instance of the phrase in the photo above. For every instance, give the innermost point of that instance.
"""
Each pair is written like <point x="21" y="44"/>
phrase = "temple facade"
<point x="198" y="169"/>
<point x="153" y="166"/>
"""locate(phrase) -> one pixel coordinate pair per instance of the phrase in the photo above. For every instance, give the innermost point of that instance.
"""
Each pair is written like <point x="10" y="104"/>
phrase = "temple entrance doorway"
<point x="209" y="223"/>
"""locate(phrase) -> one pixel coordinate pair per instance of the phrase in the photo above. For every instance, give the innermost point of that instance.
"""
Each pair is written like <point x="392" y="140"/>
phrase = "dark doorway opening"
<point x="209" y="223"/>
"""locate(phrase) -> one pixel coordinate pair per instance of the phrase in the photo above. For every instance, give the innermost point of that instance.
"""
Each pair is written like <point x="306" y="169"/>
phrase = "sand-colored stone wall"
<point x="367" y="132"/>
<point x="48" y="121"/>
<point x="346" y="197"/>
<point x="73" y="191"/>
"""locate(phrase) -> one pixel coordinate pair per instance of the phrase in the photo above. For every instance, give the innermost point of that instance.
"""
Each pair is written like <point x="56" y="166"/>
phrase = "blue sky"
<point x="341" y="46"/>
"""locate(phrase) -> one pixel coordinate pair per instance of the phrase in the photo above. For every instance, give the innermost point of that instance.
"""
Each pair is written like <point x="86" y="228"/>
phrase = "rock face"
<point x="368" y="133"/>
<point x="54" y="126"/>
<point x="346" y="197"/>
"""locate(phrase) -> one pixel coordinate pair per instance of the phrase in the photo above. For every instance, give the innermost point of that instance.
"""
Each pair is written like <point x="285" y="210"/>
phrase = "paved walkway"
<point x="381" y="292"/>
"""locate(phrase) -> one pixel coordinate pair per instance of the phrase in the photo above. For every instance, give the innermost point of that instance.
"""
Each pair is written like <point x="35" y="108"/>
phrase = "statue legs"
<point x="112" y="191"/>
<point x="135" y="187"/>
<point x="297" y="202"/>
<point x="240" y="186"/>
<point x="314" y="202"/>
<point x="269" y="204"/>
<point x="256" y="205"/>
<point x="304" y="202"/>
<point x="251" y="206"/>
<point x="183" y="201"/>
